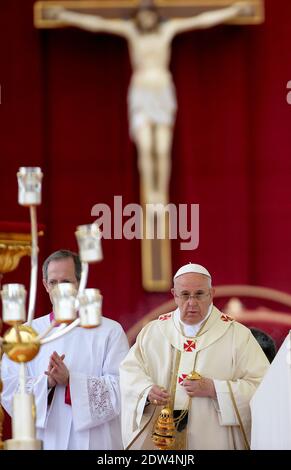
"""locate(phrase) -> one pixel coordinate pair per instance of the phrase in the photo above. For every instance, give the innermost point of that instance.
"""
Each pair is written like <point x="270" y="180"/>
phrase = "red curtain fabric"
<point x="63" y="108"/>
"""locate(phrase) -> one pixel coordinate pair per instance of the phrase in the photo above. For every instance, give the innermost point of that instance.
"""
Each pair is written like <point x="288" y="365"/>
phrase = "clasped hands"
<point x="57" y="372"/>
<point x="194" y="388"/>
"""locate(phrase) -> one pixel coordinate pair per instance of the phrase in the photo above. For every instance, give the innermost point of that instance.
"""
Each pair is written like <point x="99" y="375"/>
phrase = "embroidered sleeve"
<point x="100" y="403"/>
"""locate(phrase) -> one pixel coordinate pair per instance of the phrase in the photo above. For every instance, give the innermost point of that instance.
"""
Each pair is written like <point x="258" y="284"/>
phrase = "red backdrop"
<point x="63" y="107"/>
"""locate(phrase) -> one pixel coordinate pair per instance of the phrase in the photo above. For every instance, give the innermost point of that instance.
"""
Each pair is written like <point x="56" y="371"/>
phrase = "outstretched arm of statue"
<point x="91" y="23"/>
<point x="206" y="19"/>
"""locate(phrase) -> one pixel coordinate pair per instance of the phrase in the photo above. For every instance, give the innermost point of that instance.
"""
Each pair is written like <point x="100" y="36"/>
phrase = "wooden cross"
<point x="126" y="9"/>
<point x="156" y="253"/>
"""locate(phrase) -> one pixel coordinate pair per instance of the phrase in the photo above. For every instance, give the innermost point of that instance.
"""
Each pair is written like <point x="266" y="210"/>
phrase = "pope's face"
<point x="58" y="271"/>
<point x="193" y="296"/>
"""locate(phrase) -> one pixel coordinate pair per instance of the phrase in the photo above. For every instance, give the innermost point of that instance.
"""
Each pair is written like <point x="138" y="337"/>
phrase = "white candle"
<point x="65" y="310"/>
<point x="91" y="254"/>
<point x="90" y="308"/>
<point x="89" y="241"/>
<point x="13" y="299"/>
<point x="90" y="316"/>
<point x="29" y="198"/>
<point x="13" y="312"/>
<point x="29" y="186"/>
<point x="64" y="302"/>
<point x="23" y="422"/>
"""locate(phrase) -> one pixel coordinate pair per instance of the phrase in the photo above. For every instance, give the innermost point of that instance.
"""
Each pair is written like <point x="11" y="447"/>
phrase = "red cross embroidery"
<point x="165" y="317"/>
<point x="189" y="345"/>
<point x="181" y="378"/>
<point x="225" y="317"/>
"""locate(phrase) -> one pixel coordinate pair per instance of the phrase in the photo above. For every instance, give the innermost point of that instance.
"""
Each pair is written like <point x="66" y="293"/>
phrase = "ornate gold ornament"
<point x="163" y="435"/>
<point x="193" y="376"/>
<point x="20" y="343"/>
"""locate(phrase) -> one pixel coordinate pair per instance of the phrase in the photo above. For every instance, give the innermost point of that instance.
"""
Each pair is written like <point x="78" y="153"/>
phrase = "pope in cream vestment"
<point x="223" y="350"/>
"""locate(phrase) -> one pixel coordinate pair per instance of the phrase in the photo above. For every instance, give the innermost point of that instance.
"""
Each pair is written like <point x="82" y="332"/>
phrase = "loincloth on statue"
<point x="151" y="106"/>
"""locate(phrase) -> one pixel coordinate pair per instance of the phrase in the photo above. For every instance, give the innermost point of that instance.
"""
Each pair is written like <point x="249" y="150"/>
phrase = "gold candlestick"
<point x="21" y="343"/>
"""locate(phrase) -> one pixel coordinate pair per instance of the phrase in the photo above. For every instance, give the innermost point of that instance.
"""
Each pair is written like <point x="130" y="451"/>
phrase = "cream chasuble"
<point x="223" y="350"/>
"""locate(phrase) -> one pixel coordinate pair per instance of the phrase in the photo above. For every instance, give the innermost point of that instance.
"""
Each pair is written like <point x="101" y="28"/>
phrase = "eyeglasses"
<point x="51" y="284"/>
<point x="199" y="296"/>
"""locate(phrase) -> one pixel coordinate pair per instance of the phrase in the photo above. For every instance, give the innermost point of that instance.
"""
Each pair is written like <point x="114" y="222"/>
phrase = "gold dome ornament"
<point x="163" y="435"/>
<point x="193" y="376"/>
<point x="20" y="343"/>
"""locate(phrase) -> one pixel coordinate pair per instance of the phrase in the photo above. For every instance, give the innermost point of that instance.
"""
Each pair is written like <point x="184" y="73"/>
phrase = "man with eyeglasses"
<point x="74" y="378"/>
<point x="188" y="380"/>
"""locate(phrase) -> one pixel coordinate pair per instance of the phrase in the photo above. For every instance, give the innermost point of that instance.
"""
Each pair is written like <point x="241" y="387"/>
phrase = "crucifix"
<point x="149" y="27"/>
